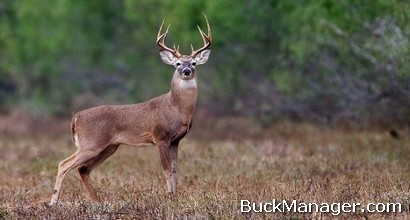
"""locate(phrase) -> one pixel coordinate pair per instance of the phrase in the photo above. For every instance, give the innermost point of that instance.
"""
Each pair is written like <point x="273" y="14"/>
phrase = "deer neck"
<point x="183" y="94"/>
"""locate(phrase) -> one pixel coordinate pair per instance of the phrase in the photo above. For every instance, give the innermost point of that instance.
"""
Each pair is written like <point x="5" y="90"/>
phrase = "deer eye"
<point x="178" y="64"/>
<point x="193" y="63"/>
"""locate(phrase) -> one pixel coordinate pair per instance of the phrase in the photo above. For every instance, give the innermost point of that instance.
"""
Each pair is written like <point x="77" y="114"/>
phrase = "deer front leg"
<point x="168" y="155"/>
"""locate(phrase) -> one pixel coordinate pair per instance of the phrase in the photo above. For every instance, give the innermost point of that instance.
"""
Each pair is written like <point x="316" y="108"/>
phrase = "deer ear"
<point x="167" y="57"/>
<point x="202" y="57"/>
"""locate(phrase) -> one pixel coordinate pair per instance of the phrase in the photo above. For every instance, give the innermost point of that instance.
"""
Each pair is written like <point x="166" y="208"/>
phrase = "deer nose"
<point x="186" y="71"/>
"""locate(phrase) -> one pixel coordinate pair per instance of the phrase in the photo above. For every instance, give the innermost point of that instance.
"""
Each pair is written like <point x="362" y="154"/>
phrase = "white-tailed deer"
<point x="163" y="121"/>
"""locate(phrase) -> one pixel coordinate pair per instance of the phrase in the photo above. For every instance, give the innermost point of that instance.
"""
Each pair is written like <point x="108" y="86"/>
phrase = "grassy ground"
<point x="218" y="168"/>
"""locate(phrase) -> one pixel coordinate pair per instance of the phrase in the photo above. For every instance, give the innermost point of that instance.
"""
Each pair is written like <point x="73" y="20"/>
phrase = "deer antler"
<point x="207" y="38"/>
<point x="161" y="41"/>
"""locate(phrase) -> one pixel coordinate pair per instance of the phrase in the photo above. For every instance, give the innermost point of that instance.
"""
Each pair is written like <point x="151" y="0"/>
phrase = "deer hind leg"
<point x="65" y="166"/>
<point x="85" y="169"/>
<point x="168" y="155"/>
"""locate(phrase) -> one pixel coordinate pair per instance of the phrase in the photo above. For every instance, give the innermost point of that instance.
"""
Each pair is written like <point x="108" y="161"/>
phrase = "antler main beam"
<point x="161" y="41"/>
<point x="207" y="39"/>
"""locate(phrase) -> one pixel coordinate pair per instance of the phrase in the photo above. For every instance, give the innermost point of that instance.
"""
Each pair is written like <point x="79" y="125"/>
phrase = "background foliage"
<point x="322" y="60"/>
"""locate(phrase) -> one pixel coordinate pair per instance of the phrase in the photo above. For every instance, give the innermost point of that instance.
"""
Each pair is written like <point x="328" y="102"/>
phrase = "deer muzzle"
<point x="187" y="72"/>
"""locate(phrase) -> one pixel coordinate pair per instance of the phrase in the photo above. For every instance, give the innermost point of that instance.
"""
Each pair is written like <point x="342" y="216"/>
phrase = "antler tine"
<point x="161" y="41"/>
<point x="209" y="27"/>
<point x="160" y="29"/>
<point x="206" y="38"/>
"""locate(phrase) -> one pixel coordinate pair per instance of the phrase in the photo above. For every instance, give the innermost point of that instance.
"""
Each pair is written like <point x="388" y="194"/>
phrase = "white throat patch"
<point x="187" y="84"/>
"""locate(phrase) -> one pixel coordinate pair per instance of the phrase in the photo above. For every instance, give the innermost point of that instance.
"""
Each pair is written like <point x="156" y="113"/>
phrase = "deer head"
<point x="185" y="64"/>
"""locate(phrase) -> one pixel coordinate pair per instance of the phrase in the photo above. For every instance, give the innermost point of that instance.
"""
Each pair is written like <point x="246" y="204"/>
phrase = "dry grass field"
<point x="220" y="165"/>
